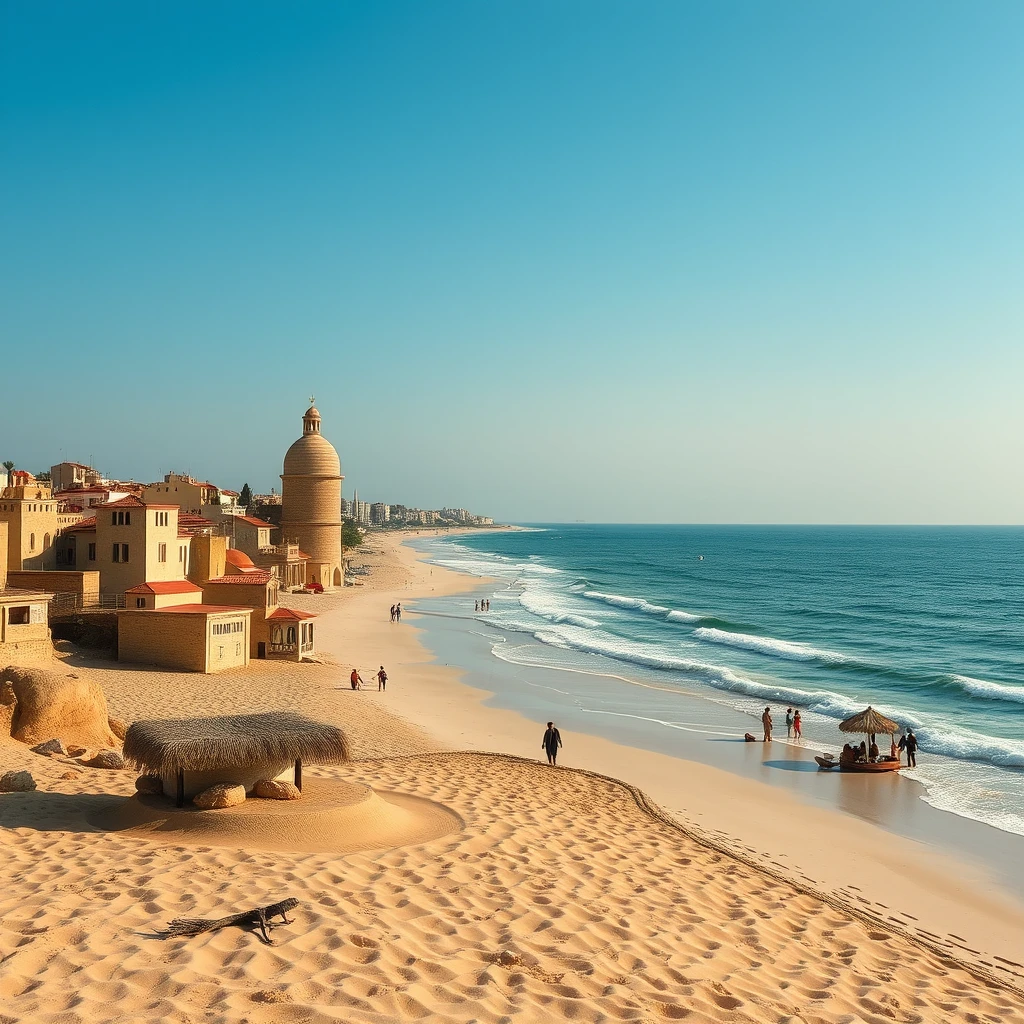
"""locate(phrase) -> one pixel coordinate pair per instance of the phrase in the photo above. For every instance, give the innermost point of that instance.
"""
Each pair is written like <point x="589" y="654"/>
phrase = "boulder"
<point x="272" y="789"/>
<point x="76" y="751"/>
<point x="118" y="727"/>
<point x="52" y="703"/>
<point x="149" y="784"/>
<point x="17" y="782"/>
<point x="53" y="746"/>
<point x="224" y="794"/>
<point x="105" y="759"/>
<point x="71" y="775"/>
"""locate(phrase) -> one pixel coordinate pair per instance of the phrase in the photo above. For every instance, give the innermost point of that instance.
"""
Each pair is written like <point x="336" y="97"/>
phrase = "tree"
<point x="9" y="466"/>
<point x="245" y="498"/>
<point x="43" y="476"/>
<point x="351" y="535"/>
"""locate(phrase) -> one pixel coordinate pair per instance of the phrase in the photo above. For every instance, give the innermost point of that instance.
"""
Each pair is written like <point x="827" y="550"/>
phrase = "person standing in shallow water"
<point x="789" y="722"/>
<point x="551" y="742"/>
<point x="766" y="721"/>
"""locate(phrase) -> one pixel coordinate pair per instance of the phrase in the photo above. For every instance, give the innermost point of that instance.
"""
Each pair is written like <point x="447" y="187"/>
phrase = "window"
<point x="116" y="555"/>
<point x="46" y="541"/>
<point x="113" y="519"/>
<point x="18" y="616"/>
<point x="124" y="552"/>
<point x="140" y="602"/>
<point x="31" y="542"/>
<point x="92" y="552"/>
<point x="238" y="650"/>
<point x="161" y="553"/>
<point x="163" y="518"/>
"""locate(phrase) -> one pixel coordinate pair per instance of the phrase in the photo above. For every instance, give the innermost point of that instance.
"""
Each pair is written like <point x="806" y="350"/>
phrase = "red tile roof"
<point x="224" y="490"/>
<point x="251" y="579"/>
<point x="166" y="587"/>
<point x="302" y="554"/>
<point x="131" y="502"/>
<point x="239" y="559"/>
<point x="82" y="526"/>
<point x="253" y="521"/>
<point x="191" y="609"/>
<point x="290" y="613"/>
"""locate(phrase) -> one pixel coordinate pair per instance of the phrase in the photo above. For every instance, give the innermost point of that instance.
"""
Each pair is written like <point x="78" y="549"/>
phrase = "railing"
<point x="282" y="648"/>
<point x="307" y="647"/>
<point x="62" y="604"/>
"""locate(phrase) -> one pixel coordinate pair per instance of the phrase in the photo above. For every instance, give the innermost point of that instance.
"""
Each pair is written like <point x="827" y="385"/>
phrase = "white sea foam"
<point x="676" y="616"/>
<point x="768" y="645"/>
<point x="549" y="606"/>
<point x="633" y="603"/>
<point x="988" y="690"/>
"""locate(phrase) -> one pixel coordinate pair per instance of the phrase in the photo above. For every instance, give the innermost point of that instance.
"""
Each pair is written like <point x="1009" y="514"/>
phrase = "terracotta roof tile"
<point x="239" y="559"/>
<point x="189" y="609"/>
<point x="253" y="521"/>
<point x="251" y="579"/>
<point x="82" y="526"/>
<point x="290" y="613"/>
<point x="166" y="587"/>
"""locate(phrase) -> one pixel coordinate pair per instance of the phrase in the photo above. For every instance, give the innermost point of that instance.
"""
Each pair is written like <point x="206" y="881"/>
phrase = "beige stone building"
<point x="24" y="615"/>
<point x="129" y="543"/>
<point x="194" y="637"/>
<point x="30" y="512"/>
<point x="252" y="536"/>
<point x="311" y="502"/>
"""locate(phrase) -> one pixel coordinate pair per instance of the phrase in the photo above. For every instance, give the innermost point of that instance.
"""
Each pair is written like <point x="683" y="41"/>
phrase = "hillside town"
<point x="189" y="572"/>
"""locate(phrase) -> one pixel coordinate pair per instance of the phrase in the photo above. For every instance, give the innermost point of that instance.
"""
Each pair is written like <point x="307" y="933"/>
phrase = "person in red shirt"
<point x="357" y="683"/>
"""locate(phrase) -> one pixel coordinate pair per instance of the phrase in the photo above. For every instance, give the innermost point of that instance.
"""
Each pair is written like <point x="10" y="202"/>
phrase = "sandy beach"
<point x="679" y="892"/>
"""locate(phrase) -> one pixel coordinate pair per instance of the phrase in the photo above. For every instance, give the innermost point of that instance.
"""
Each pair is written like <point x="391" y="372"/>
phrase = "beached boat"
<point x="869" y="723"/>
<point x="858" y="766"/>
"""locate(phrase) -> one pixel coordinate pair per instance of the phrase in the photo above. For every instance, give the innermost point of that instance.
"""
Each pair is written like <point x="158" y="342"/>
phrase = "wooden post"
<point x="181" y="788"/>
<point x="298" y="774"/>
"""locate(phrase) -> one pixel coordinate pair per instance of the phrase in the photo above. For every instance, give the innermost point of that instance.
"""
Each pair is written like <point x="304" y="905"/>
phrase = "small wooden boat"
<point x="857" y="766"/>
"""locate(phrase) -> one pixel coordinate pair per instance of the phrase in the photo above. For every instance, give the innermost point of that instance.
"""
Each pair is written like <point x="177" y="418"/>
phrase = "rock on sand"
<point x="105" y="759"/>
<point x="224" y="794"/>
<point x="149" y="784"/>
<point x="17" y="782"/>
<point x="271" y="789"/>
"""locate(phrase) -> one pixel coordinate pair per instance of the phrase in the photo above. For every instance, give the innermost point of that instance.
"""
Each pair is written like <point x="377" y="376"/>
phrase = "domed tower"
<point x="311" y="502"/>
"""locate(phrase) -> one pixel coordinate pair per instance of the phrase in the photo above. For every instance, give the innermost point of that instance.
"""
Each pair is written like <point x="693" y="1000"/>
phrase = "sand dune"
<point x="564" y="895"/>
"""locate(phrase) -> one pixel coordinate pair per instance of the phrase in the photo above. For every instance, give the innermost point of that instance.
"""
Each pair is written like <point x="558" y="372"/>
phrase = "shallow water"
<point x="925" y="624"/>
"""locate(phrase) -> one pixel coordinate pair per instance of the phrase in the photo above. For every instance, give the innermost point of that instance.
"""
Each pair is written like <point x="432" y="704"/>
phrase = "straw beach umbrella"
<point x="871" y="722"/>
<point x="231" y="748"/>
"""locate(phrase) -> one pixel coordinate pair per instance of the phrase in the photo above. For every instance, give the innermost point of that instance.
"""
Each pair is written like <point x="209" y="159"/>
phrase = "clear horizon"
<point x="692" y="263"/>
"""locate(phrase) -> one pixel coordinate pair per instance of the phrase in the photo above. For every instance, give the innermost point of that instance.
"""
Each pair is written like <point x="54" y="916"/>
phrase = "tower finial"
<point x="312" y="399"/>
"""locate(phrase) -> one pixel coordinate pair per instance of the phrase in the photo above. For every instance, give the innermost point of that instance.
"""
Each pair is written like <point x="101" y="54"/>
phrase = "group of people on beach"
<point x="396" y="612"/>
<point x="864" y="752"/>
<point x="356" y="680"/>
<point x="482" y="606"/>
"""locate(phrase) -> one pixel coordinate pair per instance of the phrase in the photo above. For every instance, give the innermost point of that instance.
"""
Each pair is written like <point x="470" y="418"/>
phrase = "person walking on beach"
<point x="909" y="744"/>
<point x="476" y="606"/>
<point x="551" y="742"/>
<point x="766" y="721"/>
<point x="355" y="680"/>
<point x="382" y="679"/>
<point x="392" y="613"/>
<point x="789" y="722"/>
<point x="398" y="612"/>
<point x="488" y="604"/>
<point x="797" y="726"/>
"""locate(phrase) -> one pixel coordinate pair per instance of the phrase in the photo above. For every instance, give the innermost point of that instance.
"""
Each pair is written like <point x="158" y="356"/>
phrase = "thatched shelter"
<point x="869" y="722"/>
<point x="190" y="754"/>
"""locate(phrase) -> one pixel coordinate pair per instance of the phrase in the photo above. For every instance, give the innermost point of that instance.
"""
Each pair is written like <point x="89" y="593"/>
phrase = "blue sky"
<point x="674" y="262"/>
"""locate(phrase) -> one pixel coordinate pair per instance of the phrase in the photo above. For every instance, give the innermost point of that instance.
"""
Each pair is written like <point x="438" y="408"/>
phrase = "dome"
<point x="312" y="455"/>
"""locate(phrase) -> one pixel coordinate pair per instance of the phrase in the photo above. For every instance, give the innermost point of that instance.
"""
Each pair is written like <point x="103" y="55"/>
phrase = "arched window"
<point x="46" y="541"/>
<point x="291" y="634"/>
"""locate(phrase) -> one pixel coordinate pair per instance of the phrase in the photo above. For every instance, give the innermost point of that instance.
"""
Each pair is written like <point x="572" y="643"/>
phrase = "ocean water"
<point x="925" y="624"/>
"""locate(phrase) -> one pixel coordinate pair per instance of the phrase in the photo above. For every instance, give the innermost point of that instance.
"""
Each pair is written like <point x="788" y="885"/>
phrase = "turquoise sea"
<point x="925" y="624"/>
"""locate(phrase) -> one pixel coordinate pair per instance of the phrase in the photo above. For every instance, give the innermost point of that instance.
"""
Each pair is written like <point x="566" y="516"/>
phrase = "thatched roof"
<point x="869" y="721"/>
<point x="232" y="741"/>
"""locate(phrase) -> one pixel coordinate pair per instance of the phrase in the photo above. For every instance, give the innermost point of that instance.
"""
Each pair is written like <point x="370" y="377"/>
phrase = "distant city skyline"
<point x="646" y="262"/>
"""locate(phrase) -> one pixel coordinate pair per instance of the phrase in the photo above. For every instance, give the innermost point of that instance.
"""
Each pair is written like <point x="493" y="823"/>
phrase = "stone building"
<point x="30" y="512"/>
<point x="311" y="502"/>
<point x="24" y="615"/>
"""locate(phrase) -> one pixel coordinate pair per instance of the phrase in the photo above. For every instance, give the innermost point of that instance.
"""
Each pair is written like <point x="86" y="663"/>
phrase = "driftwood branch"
<point x="258" y="917"/>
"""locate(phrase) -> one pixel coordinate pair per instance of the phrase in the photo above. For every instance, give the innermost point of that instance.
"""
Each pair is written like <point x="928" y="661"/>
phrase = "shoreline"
<point x="543" y="894"/>
<point x="866" y="865"/>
